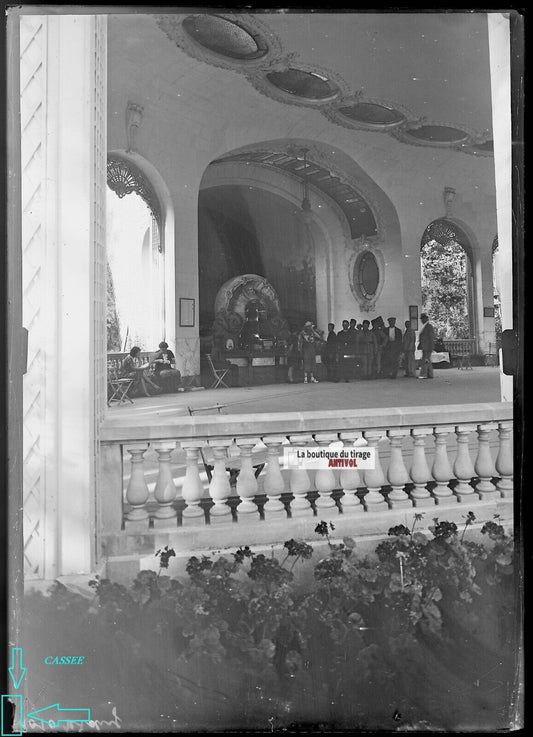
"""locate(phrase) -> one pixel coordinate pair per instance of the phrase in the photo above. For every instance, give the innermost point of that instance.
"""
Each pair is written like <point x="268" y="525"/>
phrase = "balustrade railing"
<point x="460" y="346"/>
<point x="423" y="459"/>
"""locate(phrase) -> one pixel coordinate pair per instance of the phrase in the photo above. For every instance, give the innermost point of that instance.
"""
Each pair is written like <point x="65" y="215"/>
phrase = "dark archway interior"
<point x="248" y="230"/>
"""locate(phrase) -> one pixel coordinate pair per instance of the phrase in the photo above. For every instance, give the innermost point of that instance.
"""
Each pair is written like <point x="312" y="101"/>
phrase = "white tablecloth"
<point x="435" y="357"/>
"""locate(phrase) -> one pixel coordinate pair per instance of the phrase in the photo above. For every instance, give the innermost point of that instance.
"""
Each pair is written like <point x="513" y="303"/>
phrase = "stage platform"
<point x="449" y="386"/>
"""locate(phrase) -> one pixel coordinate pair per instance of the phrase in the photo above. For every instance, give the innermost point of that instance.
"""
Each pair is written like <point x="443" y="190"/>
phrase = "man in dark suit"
<point x="426" y="343"/>
<point x="408" y="347"/>
<point x="392" y="349"/>
<point x="329" y="355"/>
<point x="345" y="352"/>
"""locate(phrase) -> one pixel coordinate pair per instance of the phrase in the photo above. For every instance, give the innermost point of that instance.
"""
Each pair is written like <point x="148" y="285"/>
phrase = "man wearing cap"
<point x="392" y="349"/>
<point x="426" y="343"/>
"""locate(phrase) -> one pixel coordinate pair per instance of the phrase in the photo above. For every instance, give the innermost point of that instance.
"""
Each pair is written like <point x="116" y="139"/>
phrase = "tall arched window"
<point x="135" y="285"/>
<point x="447" y="279"/>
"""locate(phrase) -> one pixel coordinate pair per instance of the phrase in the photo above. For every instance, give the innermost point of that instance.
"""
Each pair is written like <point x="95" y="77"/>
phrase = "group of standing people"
<point x="155" y="375"/>
<point x="376" y="351"/>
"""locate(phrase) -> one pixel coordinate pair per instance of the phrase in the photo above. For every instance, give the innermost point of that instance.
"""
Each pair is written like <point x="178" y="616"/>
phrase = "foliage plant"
<point x="240" y="639"/>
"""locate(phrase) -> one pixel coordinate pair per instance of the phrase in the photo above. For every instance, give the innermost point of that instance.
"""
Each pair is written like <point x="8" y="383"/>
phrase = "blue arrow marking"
<point x="16" y="666"/>
<point x="56" y="715"/>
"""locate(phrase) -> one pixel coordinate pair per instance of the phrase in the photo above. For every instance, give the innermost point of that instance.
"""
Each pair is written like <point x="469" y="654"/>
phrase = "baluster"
<point x="273" y="484"/>
<point x="300" y="483"/>
<point x="325" y="480"/>
<point x="484" y="466"/>
<point x="192" y="489"/>
<point x="219" y="488"/>
<point x="442" y="470"/>
<point x="374" y="500"/>
<point x="137" y="491"/>
<point x="165" y="489"/>
<point x="350" y="480"/>
<point x="504" y="461"/>
<point x="397" y="473"/>
<point x="420" y="474"/>
<point x="246" y="481"/>
<point x="463" y="467"/>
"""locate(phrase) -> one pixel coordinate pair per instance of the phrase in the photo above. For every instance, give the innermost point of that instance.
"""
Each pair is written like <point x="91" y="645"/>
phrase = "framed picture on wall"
<point x="488" y="312"/>
<point x="187" y="305"/>
<point x="413" y="316"/>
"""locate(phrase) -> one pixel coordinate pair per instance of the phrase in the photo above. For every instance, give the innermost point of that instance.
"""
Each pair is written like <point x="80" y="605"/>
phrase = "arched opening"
<point x="249" y="230"/>
<point x="135" y="259"/>
<point x="447" y="280"/>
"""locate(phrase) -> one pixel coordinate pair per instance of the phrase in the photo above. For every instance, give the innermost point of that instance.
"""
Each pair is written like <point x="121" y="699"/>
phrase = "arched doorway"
<point x="447" y="280"/>
<point x="135" y="259"/>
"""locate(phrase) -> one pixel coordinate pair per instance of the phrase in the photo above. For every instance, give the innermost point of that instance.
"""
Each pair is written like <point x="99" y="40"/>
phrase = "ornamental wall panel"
<point x="32" y="95"/>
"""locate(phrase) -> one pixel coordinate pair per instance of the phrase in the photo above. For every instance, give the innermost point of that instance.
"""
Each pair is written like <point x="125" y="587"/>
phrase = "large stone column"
<point x="500" y="75"/>
<point x="67" y="334"/>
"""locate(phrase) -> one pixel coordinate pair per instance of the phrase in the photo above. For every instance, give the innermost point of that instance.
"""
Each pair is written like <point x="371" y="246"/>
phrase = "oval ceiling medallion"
<point x="438" y="134"/>
<point x="308" y="85"/>
<point x="224" y="37"/>
<point x="370" y="113"/>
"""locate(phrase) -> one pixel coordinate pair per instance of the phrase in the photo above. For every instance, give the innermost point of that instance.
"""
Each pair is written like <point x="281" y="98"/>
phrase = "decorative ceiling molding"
<point x="275" y="58"/>
<point x="334" y="113"/>
<point x="465" y="136"/>
<point x="172" y="26"/>
<point x="344" y="191"/>
<point x="260" y="80"/>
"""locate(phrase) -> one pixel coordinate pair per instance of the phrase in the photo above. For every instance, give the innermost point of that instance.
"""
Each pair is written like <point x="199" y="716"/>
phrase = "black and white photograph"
<point x="236" y="242"/>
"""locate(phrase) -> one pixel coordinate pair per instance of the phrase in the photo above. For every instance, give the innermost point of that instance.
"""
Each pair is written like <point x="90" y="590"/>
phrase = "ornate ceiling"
<point x="423" y="78"/>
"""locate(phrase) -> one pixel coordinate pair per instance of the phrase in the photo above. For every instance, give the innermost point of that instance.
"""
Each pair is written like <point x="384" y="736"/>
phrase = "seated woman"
<point x="141" y="378"/>
<point x="165" y="370"/>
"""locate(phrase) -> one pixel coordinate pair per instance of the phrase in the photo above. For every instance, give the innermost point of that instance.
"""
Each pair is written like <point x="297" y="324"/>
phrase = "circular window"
<point x="310" y="85"/>
<point x="366" y="275"/>
<point x="224" y="37"/>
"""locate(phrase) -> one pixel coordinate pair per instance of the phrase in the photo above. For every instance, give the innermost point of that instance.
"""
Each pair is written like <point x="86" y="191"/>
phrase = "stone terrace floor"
<point x="450" y="386"/>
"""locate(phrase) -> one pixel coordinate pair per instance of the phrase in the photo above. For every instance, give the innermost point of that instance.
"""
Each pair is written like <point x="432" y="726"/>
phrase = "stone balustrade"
<point x="419" y="464"/>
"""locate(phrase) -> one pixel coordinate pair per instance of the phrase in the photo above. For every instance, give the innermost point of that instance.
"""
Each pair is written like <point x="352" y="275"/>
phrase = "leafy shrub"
<point x="238" y="641"/>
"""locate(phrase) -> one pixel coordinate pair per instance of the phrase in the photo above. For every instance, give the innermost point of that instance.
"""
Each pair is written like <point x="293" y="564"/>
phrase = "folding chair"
<point x="219" y="374"/>
<point x="119" y="387"/>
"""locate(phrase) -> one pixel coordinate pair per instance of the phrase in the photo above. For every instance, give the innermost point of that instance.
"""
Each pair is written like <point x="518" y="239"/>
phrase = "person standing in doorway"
<point x="426" y="343"/>
<point x="408" y="347"/>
